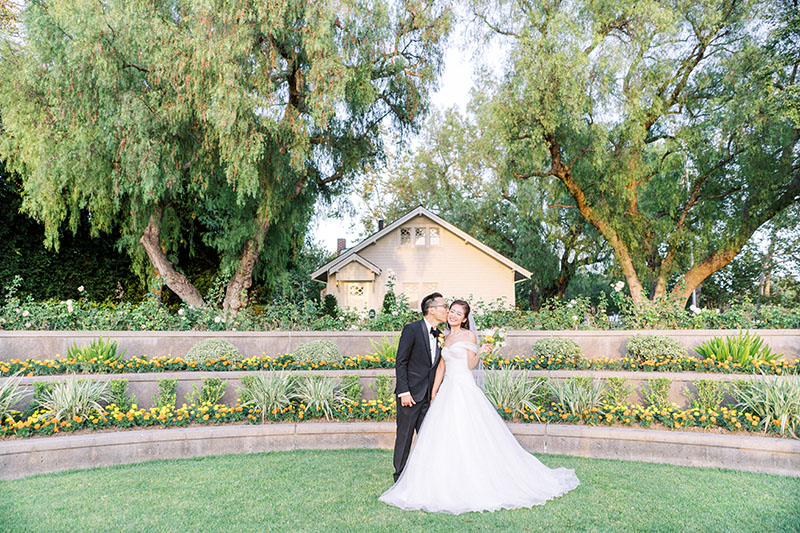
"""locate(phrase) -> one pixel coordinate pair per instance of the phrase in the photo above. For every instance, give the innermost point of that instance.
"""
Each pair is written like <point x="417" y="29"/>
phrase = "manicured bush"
<point x="119" y="394"/>
<point x="212" y="349"/>
<point x="656" y="393"/>
<point x="352" y="387"/>
<point x="383" y="388"/>
<point x="211" y="392"/>
<point x="654" y="348"/>
<point x="618" y="390"/>
<point x="555" y="347"/>
<point x="317" y="352"/>
<point x="167" y="393"/>
<point x="710" y="394"/>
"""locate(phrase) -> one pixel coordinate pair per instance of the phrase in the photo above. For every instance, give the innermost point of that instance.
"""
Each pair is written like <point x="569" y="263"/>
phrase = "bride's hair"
<point x="465" y="306"/>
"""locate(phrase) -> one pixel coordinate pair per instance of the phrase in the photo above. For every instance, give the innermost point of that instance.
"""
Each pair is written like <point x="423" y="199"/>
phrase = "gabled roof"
<point x="358" y="259"/>
<point x="347" y="256"/>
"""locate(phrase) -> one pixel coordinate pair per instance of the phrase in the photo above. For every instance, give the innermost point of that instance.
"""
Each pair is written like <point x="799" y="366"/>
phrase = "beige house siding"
<point x="453" y="267"/>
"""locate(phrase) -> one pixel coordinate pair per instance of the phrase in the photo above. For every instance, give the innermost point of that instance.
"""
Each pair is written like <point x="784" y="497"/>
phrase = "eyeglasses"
<point x="440" y="305"/>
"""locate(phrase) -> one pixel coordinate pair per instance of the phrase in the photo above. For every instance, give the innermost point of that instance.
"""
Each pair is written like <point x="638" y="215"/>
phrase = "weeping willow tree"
<point x="671" y="126"/>
<point x="152" y="115"/>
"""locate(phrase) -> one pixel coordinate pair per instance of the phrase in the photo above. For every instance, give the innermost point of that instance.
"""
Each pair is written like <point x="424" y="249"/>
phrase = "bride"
<point x="465" y="458"/>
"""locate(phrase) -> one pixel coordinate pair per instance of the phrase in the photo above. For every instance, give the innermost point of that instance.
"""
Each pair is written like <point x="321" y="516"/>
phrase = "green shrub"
<point x="212" y="349"/>
<point x="386" y="348"/>
<point x="352" y="387"/>
<point x="578" y="394"/>
<point x="167" y="393"/>
<point x="74" y="397"/>
<point x="656" y="393"/>
<point x="212" y="391"/>
<point x="554" y="347"/>
<point x="389" y="301"/>
<point x="515" y="390"/>
<point x="268" y="392"/>
<point x="321" y="395"/>
<point x="317" y="352"/>
<point x="10" y="395"/>
<point x="643" y="348"/>
<point x="618" y="390"/>
<point x="775" y="401"/>
<point x="330" y="307"/>
<point x="743" y="349"/>
<point x="40" y="388"/>
<point x="119" y="394"/>
<point x="710" y="394"/>
<point x="383" y="388"/>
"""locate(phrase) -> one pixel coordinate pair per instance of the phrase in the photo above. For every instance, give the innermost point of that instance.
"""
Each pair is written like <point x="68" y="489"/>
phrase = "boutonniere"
<point x="440" y="340"/>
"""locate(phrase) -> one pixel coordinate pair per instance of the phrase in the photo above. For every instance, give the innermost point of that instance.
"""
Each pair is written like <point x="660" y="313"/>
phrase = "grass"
<point x="337" y="490"/>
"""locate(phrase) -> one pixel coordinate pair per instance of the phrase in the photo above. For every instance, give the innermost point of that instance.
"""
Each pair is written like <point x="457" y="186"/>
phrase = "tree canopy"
<point x="152" y="115"/>
<point x="672" y="126"/>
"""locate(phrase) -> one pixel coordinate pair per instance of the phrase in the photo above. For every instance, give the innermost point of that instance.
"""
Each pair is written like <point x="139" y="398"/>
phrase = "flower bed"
<point x="32" y="367"/>
<point x="374" y="410"/>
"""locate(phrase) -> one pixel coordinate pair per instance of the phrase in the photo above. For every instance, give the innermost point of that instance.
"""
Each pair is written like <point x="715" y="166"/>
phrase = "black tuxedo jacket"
<point x="414" y="371"/>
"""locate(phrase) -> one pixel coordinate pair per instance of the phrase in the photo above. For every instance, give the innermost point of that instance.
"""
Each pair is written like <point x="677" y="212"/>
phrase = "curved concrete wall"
<point x="26" y="457"/>
<point x="595" y="344"/>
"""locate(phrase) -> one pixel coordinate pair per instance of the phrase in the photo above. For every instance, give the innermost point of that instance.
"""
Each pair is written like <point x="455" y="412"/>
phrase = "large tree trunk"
<point x="242" y="279"/>
<point x="719" y="258"/>
<point x="177" y="282"/>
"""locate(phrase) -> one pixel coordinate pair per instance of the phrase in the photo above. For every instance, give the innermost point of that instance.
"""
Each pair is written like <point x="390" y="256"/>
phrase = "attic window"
<point x="419" y="236"/>
<point x="433" y="234"/>
<point x="405" y="236"/>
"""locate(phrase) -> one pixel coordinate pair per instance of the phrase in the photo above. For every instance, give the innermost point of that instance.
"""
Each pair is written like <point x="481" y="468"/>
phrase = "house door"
<point x="357" y="295"/>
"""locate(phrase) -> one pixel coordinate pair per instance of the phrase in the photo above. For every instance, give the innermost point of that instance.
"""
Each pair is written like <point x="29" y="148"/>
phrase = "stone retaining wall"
<point x="145" y="385"/>
<point x="26" y="457"/>
<point x="595" y="344"/>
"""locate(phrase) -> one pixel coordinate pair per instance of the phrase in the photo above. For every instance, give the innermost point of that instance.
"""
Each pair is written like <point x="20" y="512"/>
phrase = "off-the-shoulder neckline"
<point x="460" y="342"/>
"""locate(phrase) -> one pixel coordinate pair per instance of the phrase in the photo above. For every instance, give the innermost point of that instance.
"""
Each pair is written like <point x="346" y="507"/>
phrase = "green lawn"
<point x="338" y="490"/>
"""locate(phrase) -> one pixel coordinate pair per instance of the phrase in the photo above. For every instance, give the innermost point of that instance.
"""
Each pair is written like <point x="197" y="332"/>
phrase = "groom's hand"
<point x="407" y="401"/>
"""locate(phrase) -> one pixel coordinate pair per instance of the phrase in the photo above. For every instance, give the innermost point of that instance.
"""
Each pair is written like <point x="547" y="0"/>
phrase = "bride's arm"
<point x="472" y="357"/>
<point x="437" y="380"/>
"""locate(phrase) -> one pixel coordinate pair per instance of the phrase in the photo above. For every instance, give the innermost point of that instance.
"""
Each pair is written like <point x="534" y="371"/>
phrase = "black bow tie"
<point x="435" y="332"/>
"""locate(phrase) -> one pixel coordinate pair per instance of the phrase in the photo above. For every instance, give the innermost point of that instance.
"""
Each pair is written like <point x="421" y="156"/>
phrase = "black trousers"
<point x="409" y="419"/>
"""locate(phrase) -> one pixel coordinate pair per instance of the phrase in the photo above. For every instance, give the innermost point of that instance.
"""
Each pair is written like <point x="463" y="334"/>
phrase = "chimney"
<point x="341" y="246"/>
<point x="380" y="224"/>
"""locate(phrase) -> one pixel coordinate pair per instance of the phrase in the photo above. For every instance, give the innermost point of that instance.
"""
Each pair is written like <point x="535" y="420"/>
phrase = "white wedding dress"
<point x="466" y="459"/>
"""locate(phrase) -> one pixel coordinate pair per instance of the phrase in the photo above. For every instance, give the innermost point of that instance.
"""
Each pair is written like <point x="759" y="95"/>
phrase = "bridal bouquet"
<point x="496" y="338"/>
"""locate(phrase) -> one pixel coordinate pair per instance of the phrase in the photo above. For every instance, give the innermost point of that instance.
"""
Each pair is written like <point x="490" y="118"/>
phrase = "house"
<point x="423" y="253"/>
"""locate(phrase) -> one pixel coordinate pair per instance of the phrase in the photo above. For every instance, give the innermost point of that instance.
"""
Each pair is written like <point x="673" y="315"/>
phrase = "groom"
<point x="418" y="354"/>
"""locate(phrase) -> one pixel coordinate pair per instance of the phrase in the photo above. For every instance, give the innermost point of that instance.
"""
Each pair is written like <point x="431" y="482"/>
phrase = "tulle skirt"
<point x="466" y="459"/>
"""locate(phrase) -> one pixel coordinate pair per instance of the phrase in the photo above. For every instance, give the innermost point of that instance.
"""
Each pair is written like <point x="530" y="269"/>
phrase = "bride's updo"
<point x="464" y="305"/>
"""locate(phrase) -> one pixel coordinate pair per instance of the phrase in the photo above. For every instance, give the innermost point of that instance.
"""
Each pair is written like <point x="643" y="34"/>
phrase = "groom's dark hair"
<point x="428" y="301"/>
